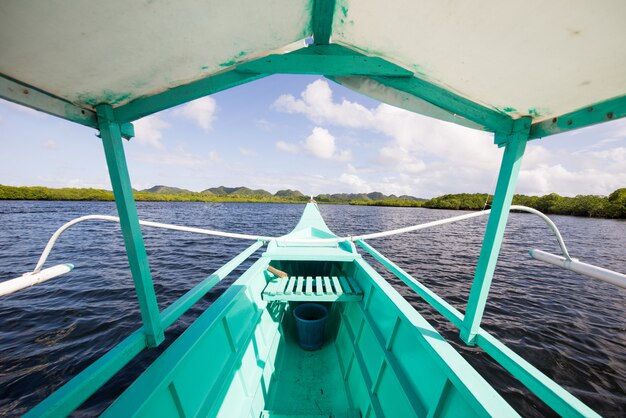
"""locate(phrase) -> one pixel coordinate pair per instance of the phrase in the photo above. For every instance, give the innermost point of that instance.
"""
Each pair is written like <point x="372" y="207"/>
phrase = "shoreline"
<point x="590" y="206"/>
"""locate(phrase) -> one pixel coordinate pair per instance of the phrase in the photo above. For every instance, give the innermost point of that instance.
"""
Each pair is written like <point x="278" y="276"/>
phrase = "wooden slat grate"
<point x="313" y="288"/>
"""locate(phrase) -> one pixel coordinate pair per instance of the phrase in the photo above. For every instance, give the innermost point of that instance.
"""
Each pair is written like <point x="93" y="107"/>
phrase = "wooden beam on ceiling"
<point x="330" y="65"/>
<point x="145" y="106"/>
<point x="25" y="95"/>
<point x="601" y="112"/>
<point x="322" y="21"/>
<point x="492" y="120"/>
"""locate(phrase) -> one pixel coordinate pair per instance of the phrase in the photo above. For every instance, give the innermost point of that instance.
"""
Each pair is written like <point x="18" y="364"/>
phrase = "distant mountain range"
<point x="245" y="191"/>
<point x="612" y="206"/>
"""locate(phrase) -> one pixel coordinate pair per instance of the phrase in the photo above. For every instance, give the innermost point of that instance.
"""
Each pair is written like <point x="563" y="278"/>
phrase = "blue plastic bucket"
<point x="310" y="323"/>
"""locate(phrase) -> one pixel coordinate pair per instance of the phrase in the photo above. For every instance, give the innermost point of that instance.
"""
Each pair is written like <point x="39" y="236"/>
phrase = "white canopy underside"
<point x="534" y="58"/>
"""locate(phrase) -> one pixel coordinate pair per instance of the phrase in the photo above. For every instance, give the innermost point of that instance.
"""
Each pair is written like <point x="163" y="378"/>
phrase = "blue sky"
<point x="305" y="133"/>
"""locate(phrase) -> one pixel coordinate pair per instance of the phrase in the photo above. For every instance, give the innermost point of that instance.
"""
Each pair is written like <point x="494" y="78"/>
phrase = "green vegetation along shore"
<point x="612" y="206"/>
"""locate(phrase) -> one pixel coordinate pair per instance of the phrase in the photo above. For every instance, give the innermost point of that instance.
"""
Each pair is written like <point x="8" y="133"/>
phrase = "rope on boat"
<point x="38" y="275"/>
<point x="431" y="224"/>
<point x="63" y="228"/>
<point x="57" y="234"/>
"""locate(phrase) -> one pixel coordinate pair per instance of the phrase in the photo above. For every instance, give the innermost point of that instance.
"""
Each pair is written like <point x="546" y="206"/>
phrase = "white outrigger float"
<point x="107" y="64"/>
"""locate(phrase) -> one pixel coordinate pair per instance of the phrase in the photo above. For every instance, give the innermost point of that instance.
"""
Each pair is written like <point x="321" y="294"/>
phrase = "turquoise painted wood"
<point x="214" y="359"/>
<point x="492" y="241"/>
<point x="434" y="300"/>
<point x="311" y="225"/>
<point x="492" y="120"/>
<point x="33" y="98"/>
<point x="129" y="221"/>
<point x="182" y="94"/>
<point x="176" y="309"/>
<point x="240" y="358"/>
<point x="312" y="289"/>
<point x="381" y="357"/>
<point x="322" y="21"/>
<point x="330" y="65"/>
<point x="422" y="361"/>
<point x="71" y="395"/>
<point x="555" y="396"/>
<point x="601" y="112"/>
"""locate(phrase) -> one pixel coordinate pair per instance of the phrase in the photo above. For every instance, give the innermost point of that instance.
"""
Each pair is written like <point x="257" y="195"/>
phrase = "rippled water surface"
<point x="570" y="327"/>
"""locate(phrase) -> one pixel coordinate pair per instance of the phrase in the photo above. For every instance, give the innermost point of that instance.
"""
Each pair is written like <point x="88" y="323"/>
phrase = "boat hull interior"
<point x="241" y="358"/>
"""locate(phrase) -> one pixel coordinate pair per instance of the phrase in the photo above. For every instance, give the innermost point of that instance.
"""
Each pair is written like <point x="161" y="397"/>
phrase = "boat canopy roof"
<point x="480" y="64"/>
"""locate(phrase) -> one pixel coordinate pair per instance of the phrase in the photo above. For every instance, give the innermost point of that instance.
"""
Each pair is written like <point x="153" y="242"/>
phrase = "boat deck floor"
<point x="308" y="383"/>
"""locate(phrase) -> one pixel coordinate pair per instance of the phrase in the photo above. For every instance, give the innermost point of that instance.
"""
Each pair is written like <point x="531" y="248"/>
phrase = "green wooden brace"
<point x="503" y="196"/>
<point x="129" y="221"/>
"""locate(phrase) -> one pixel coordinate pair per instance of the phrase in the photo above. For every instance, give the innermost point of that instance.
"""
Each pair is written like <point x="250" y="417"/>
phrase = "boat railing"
<point x="541" y="385"/>
<point x="70" y="396"/>
<point x="39" y="276"/>
<point x="73" y="394"/>
<point x="565" y="261"/>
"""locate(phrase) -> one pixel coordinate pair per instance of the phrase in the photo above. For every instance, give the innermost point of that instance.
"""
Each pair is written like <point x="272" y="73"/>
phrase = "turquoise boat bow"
<point x="521" y="71"/>
<point x="381" y="358"/>
<point x="240" y="357"/>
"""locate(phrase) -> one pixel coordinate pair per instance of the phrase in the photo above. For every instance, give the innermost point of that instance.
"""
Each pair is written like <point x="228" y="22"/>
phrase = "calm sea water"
<point x="570" y="327"/>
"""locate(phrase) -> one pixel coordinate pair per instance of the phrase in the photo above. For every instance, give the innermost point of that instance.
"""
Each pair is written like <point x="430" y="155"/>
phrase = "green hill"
<point x="219" y="190"/>
<point x="366" y="198"/>
<point x="167" y="190"/>
<point x="238" y="191"/>
<point x="413" y="198"/>
<point x="377" y="196"/>
<point x="244" y="191"/>
<point x="288" y="193"/>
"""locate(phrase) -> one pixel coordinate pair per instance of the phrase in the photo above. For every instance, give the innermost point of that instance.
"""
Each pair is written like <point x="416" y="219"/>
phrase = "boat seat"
<point x="313" y="288"/>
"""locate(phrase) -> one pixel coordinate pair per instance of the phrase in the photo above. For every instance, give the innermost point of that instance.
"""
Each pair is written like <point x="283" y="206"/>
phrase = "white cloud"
<point x="317" y="104"/>
<point x="356" y="183"/>
<point x="401" y="159"/>
<point x="416" y="144"/>
<point x="388" y="185"/>
<point x="73" y="182"/>
<point x="265" y="125"/>
<point x="286" y="147"/>
<point x="429" y="157"/>
<point x="201" y="111"/>
<point x="600" y="144"/>
<point x="343" y="155"/>
<point x="180" y="157"/>
<point x="321" y="144"/>
<point x="148" y="131"/>
<point x="247" y="152"/>
<point x="50" y="145"/>
<point x="598" y="172"/>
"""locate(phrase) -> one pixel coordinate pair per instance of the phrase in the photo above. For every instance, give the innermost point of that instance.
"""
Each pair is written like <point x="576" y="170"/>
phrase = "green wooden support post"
<point x="515" y="145"/>
<point x="322" y="21"/>
<point x="137" y="258"/>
